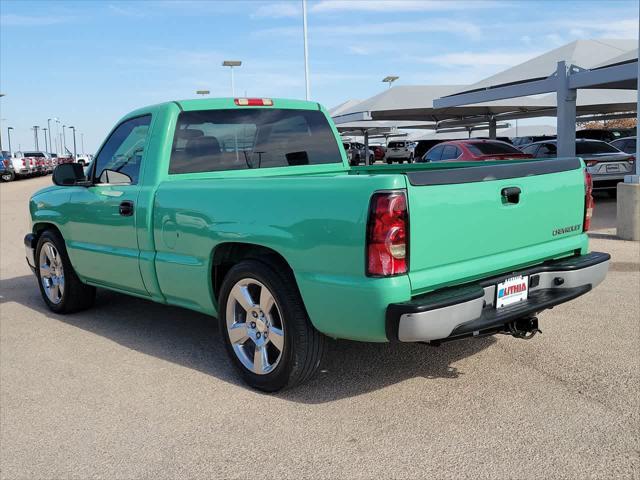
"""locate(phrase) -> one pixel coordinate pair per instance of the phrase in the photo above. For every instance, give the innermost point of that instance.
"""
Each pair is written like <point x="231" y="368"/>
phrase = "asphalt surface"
<point x="131" y="389"/>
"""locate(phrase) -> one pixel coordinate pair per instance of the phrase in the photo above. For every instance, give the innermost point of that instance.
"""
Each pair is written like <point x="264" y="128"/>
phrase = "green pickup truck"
<point x="247" y="210"/>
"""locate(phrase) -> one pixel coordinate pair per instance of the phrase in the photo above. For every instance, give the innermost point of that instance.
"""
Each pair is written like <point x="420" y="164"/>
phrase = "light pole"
<point x="45" y="137"/>
<point x="64" y="141"/>
<point x="82" y="142"/>
<point x="390" y="79"/>
<point x="306" y="50"/>
<point x="231" y="64"/>
<point x="74" y="143"/>
<point x="9" y="138"/>
<point x="50" y="134"/>
<point x="58" y="136"/>
<point x="35" y="135"/>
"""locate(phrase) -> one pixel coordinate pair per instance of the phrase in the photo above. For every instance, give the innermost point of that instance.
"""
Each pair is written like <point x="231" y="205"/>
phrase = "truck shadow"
<point x="192" y="340"/>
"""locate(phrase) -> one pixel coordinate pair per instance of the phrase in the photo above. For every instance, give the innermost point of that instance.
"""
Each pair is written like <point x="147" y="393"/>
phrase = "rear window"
<point x="218" y="140"/>
<point x="586" y="148"/>
<point x="34" y="154"/>
<point x="396" y="145"/>
<point x="491" y="148"/>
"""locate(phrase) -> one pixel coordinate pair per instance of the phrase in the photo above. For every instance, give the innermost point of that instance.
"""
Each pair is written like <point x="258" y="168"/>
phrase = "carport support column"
<point x="628" y="204"/>
<point x="366" y="147"/>
<point x="493" y="127"/>
<point x="566" y="120"/>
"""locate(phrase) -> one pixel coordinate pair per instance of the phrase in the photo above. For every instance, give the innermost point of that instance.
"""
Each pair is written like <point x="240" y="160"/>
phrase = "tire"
<point x="71" y="295"/>
<point x="8" y="176"/>
<point x="613" y="192"/>
<point x="389" y="161"/>
<point x="302" y="345"/>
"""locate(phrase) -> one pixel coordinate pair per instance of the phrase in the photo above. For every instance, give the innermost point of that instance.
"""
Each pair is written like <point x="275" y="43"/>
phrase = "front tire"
<point x="8" y="176"/>
<point x="265" y="328"/>
<point x="61" y="289"/>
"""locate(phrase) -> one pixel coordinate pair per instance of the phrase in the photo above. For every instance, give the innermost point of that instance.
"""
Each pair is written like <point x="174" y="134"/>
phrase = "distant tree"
<point x="603" y="124"/>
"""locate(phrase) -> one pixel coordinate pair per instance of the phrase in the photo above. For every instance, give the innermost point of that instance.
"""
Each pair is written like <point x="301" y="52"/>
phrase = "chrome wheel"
<point x="255" y="326"/>
<point x="51" y="272"/>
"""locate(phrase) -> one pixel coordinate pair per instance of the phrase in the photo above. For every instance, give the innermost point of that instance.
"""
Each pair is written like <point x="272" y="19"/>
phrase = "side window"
<point x="434" y="154"/>
<point x="547" y="150"/>
<point x="531" y="149"/>
<point x="119" y="159"/>
<point x="449" y="152"/>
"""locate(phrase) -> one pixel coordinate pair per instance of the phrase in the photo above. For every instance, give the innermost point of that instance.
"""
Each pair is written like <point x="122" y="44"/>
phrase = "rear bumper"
<point x="30" y="250"/>
<point x="469" y="310"/>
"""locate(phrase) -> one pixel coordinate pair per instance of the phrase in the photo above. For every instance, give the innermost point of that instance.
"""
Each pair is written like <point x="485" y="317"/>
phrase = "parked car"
<point x="626" y="144"/>
<point x="84" y="159"/>
<point x="282" y="243"/>
<point x="7" y="172"/>
<point x="400" y="151"/>
<point x="39" y="163"/>
<point x="606" y="164"/>
<point x="423" y="146"/>
<point x="355" y="152"/>
<point x="473" y="150"/>
<point x="522" y="141"/>
<point x="378" y="152"/>
<point x="608" y="135"/>
<point x="22" y="166"/>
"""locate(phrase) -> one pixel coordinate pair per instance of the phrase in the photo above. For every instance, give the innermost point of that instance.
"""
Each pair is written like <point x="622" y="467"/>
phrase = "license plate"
<point x="613" y="168"/>
<point x="512" y="290"/>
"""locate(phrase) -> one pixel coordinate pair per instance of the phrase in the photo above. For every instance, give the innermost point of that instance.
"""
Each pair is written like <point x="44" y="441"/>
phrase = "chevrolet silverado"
<point x="247" y="210"/>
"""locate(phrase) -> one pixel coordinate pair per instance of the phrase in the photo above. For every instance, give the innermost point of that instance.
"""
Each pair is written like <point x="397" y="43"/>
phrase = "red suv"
<point x="472" y="150"/>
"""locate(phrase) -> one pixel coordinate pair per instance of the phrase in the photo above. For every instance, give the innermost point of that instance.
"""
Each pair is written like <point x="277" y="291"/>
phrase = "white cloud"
<point x="399" y="5"/>
<point x="126" y="11"/>
<point x="278" y="10"/>
<point x="498" y="59"/>
<point x="13" y="20"/>
<point x="383" y="28"/>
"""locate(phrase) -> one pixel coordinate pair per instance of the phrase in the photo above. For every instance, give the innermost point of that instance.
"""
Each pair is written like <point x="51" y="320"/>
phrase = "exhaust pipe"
<point x="524" y="328"/>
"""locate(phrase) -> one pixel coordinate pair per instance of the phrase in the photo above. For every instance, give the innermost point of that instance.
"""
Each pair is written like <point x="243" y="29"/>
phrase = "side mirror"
<point x="69" y="174"/>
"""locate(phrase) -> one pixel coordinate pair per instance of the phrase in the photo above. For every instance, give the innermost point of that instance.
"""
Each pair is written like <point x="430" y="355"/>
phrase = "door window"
<point x="434" y="154"/>
<point x="547" y="150"/>
<point x="449" y="152"/>
<point x="118" y="162"/>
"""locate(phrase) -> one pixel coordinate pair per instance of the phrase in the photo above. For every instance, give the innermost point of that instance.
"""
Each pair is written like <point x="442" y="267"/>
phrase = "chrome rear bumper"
<point x="469" y="310"/>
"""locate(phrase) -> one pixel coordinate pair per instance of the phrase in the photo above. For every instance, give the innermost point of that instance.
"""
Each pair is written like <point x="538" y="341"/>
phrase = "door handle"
<point x="510" y="195"/>
<point x="126" y="208"/>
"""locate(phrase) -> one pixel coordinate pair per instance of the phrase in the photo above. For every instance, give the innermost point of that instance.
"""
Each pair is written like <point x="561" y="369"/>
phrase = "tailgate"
<point x="463" y="228"/>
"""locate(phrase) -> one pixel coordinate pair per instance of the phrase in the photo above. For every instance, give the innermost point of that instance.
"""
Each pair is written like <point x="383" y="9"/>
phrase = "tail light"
<point x="387" y="234"/>
<point x="588" y="201"/>
<point x="253" y="102"/>
<point x="24" y="162"/>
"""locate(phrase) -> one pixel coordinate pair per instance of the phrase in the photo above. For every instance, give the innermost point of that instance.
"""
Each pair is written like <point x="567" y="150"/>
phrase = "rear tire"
<point x="61" y="289"/>
<point x="268" y="302"/>
<point x="8" y="176"/>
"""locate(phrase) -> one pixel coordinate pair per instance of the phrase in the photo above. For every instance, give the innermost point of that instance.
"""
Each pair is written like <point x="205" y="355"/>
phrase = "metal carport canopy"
<point x="415" y="102"/>
<point x="604" y="64"/>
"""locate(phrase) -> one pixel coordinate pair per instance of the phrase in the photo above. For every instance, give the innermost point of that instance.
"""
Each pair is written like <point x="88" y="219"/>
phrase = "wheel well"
<point x="227" y="255"/>
<point x="39" y="228"/>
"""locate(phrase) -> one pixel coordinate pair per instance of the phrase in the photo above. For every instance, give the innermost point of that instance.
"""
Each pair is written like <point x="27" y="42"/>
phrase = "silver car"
<point x="606" y="164"/>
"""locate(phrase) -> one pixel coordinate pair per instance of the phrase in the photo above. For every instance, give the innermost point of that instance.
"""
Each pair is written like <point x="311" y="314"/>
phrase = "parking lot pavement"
<point x="132" y="389"/>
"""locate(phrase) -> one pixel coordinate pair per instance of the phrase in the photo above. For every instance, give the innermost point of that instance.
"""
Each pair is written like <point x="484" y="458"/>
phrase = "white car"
<point x="84" y="159"/>
<point x="400" y="151"/>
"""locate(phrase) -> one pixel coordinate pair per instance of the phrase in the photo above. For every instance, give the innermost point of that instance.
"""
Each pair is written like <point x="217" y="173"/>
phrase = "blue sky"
<point x="90" y="62"/>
